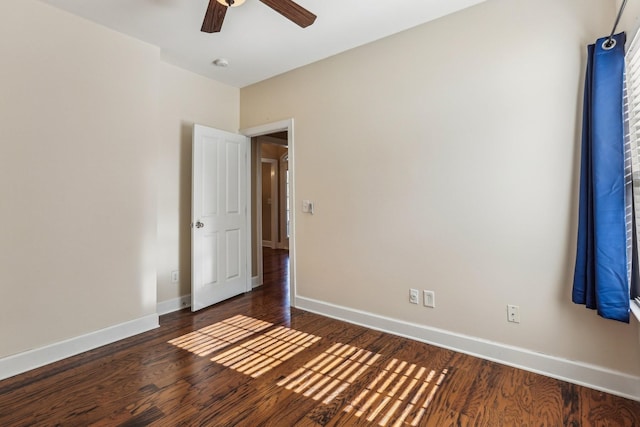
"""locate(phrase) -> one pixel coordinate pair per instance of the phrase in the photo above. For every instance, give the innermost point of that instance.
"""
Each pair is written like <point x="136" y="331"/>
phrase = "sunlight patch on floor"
<point x="399" y="395"/>
<point x="330" y="373"/>
<point x="400" y="391"/>
<point x="219" y="335"/>
<point x="265" y="352"/>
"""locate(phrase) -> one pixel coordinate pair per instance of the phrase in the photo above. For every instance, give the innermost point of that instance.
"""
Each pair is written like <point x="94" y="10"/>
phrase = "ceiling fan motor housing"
<point x="230" y="3"/>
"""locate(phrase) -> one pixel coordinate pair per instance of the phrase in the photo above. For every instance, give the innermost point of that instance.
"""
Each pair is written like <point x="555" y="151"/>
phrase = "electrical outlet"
<point x="513" y="313"/>
<point x="175" y="276"/>
<point x="429" y="299"/>
<point x="414" y="296"/>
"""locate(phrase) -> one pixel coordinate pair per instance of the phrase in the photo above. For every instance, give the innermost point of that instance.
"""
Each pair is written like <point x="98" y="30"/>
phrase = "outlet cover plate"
<point x="414" y="296"/>
<point x="513" y="313"/>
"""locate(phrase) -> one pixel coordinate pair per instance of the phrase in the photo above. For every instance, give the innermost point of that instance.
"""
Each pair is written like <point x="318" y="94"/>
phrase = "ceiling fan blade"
<point x="292" y="11"/>
<point x="214" y="17"/>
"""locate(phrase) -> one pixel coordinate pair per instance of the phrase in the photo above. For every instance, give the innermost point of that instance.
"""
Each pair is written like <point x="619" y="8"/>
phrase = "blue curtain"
<point x="602" y="271"/>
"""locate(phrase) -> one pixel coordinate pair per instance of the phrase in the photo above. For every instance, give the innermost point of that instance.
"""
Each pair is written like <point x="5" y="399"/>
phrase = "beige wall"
<point x="630" y="21"/>
<point x="446" y="158"/>
<point x="78" y="108"/>
<point x="96" y="174"/>
<point x="185" y="99"/>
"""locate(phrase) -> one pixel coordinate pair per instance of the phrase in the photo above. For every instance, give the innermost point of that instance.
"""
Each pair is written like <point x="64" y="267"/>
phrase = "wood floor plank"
<point x="166" y="400"/>
<point x="456" y="392"/>
<point x="602" y="409"/>
<point x="479" y="391"/>
<point x="548" y="402"/>
<point x="177" y="375"/>
<point x="508" y="403"/>
<point x="571" y="404"/>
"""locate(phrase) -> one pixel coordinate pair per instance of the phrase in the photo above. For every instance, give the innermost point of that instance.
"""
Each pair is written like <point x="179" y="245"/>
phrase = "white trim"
<point x="268" y="128"/>
<point x="258" y="201"/>
<point x="283" y="239"/>
<point x="247" y="214"/>
<point x="265" y="129"/>
<point x="169" y="306"/>
<point x="256" y="282"/>
<point x="635" y="312"/>
<point x="293" y="279"/>
<point x="635" y="308"/>
<point x="596" y="377"/>
<point x="32" y="359"/>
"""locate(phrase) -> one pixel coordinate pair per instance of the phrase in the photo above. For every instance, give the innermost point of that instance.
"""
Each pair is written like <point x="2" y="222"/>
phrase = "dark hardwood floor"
<point x="252" y="361"/>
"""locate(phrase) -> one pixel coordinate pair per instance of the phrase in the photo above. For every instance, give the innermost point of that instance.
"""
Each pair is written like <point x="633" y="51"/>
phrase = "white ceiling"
<point x="257" y="41"/>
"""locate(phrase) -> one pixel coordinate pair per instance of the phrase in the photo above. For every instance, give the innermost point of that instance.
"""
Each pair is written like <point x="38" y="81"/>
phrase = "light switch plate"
<point x="307" y="206"/>
<point x="429" y="299"/>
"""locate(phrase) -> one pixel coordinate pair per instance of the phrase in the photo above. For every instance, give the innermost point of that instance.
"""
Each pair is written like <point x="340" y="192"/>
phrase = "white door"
<point x="219" y="239"/>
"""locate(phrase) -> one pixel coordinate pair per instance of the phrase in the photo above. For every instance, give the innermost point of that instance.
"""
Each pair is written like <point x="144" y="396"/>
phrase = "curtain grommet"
<point x="609" y="44"/>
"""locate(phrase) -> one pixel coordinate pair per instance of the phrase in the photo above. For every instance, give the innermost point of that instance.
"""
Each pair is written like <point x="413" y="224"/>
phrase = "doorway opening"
<point x="272" y="203"/>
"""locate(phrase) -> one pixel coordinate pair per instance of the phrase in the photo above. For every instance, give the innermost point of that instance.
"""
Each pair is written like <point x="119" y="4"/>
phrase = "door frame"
<point x="265" y="129"/>
<point x="283" y="239"/>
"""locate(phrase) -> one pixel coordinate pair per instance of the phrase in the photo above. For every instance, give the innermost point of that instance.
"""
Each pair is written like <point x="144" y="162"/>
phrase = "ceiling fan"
<point x="217" y="9"/>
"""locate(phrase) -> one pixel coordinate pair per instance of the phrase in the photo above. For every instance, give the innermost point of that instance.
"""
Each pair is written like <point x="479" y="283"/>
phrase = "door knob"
<point x="199" y="224"/>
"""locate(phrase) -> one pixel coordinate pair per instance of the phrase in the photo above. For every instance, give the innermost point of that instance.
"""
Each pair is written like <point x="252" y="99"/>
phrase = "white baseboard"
<point x="169" y="306"/>
<point x="592" y="376"/>
<point x="28" y="360"/>
<point x="256" y="282"/>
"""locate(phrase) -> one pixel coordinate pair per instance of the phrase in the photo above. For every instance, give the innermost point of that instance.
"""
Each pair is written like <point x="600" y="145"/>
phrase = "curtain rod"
<point x="610" y="43"/>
